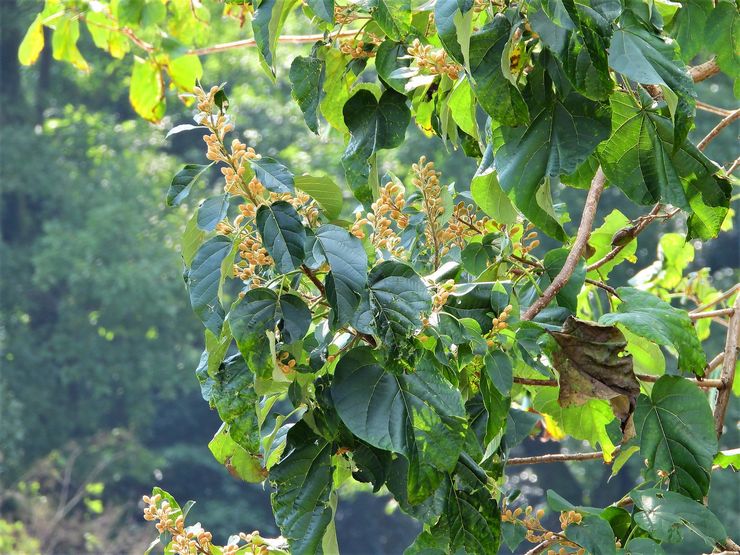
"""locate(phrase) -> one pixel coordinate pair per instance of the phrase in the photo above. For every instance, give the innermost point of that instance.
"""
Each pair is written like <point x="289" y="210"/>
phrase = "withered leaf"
<point x="593" y="364"/>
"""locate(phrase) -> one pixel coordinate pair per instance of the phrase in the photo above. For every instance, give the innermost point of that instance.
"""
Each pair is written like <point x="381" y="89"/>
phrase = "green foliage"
<point x="405" y="348"/>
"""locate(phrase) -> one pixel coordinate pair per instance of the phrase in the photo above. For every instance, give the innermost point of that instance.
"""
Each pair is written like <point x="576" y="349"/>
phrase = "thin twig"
<point x="726" y="295"/>
<point x="285" y="39"/>
<point x="540" y="547"/>
<point x="704" y="71"/>
<point x="558" y="457"/>
<point x="733" y="166"/>
<point x="712" y="313"/>
<point x="608" y="288"/>
<point x="717" y="129"/>
<point x="714" y="363"/>
<point x="579" y="245"/>
<point x="706" y="383"/>
<point x="712" y="109"/>
<point x="728" y="369"/>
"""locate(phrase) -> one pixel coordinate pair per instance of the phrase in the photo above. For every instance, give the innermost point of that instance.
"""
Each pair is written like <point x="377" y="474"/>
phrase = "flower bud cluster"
<point x="465" y="223"/>
<point x="433" y="61"/>
<point x="427" y="181"/>
<point x="528" y="242"/>
<point x="442" y="293"/>
<point x="360" y="48"/>
<point x="386" y="213"/>
<point x="253" y="254"/>
<point x="285" y="363"/>
<point x="344" y="14"/>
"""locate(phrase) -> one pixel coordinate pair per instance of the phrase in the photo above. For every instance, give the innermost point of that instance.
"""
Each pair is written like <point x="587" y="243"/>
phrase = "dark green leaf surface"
<point x="273" y="175"/>
<point x="203" y="281"/>
<point x="306" y="78"/>
<point x="283" y="234"/>
<point x="399" y="296"/>
<point x="211" y="211"/>
<point x="183" y="182"/>
<point x="675" y="429"/>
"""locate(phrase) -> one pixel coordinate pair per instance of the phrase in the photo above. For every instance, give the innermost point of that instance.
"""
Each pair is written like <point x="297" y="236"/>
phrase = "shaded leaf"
<point x="306" y="79"/>
<point x="399" y="296"/>
<point x="204" y="278"/>
<point x="267" y="23"/>
<point x="183" y="182"/>
<point x="273" y="175"/>
<point x="211" y="211"/>
<point x="283" y="234"/>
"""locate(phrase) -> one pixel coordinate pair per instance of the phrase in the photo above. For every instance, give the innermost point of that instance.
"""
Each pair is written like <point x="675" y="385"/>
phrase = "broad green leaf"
<point x="273" y="175"/>
<point x="399" y="296"/>
<point x="301" y="500"/>
<point x="640" y="159"/>
<point x="472" y="301"/>
<point x="487" y="193"/>
<point x="646" y="355"/>
<point x="267" y="25"/>
<point x="33" y="43"/>
<point x="473" y="521"/>
<point x="324" y="191"/>
<point x="461" y="103"/>
<point x="192" y="239"/>
<point x="563" y="133"/>
<point x="306" y="79"/>
<point x="185" y="71"/>
<point x="237" y="460"/>
<point x="418" y="415"/>
<point x="722" y="36"/>
<point x="183" y="182"/>
<point x="495" y="387"/>
<point x="337" y="85"/>
<point x="639" y="53"/>
<point x="594" y="534"/>
<point x="323" y="9"/>
<point x="728" y="459"/>
<point x="601" y="241"/>
<point x="283" y="234"/>
<point x="500" y="371"/>
<point x="392" y="16"/>
<point x="389" y="57"/>
<point x="567" y="297"/>
<point x="519" y="426"/>
<point x="211" y="211"/>
<point x="591" y="366"/>
<point x="648" y="316"/>
<point x="495" y="93"/>
<point x="348" y="276"/>
<point x="578" y="43"/>
<point x="687" y="27"/>
<point x="587" y="421"/>
<point x="668" y="516"/>
<point x="261" y="310"/>
<point x="146" y="91"/>
<point x="373" y="125"/>
<point x="449" y="17"/>
<point x="372" y="465"/>
<point x="642" y="546"/>
<point x="203" y="280"/>
<point x="675" y="429"/>
<point x="64" y="43"/>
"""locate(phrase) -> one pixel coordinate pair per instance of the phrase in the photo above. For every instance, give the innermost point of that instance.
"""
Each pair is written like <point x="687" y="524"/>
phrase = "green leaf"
<point x="183" y="182"/>
<point x="640" y="54"/>
<point x="283" y="234"/>
<point x="687" y="27"/>
<point x="418" y="415"/>
<point x="211" y="211"/>
<point x="64" y="43"/>
<point x="267" y="24"/>
<point x="495" y="93"/>
<point x="303" y="486"/>
<point x="392" y="16"/>
<point x="273" y="175"/>
<point x="185" y="71"/>
<point x="449" y="17"/>
<point x="399" y="296"/>
<point x="642" y="546"/>
<point x="601" y="241"/>
<point x="500" y="371"/>
<point x="146" y="91"/>
<point x="389" y="57"/>
<point x="204" y="278"/>
<point x="337" y="85"/>
<point x="675" y="428"/>
<point x="324" y="191"/>
<point x="722" y="36"/>
<point x="462" y="105"/>
<point x="577" y="42"/>
<point x="306" y="79"/>
<point x="472" y="301"/>
<point x="373" y="125"/>
<point x="473" y="521"/>
<point x="348" y="276"/>
<point x="261" y="310"/>
<point x="591" y="366"/>
<point x="588" y="421"/>
<point x="567" y="297"/>
<point x="563" y="133"/>
<point x="667" y="516"/>
<point x="32" y="43"/>
<point x="192" y="239"/>
<point x="237" y="460"/>
<point x="648" y="316"/>
<point x="487" y="193"/>
<point x="594" y="534"/>
<point x="323" y="9"/>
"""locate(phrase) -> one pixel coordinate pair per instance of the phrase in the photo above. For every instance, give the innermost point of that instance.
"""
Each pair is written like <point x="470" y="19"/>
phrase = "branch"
<point x="734" y="166"/>
<point x="285" y="39"/>
<point x="726" y="295"/>
<point x="558" y="457"/>
<point x="704" y="383"/>
<point x="719" y="127"/>
<point x="574" y="256"/>
<point x="712" y="109"/>
<point x="704" y="71"/>
<point x="712" y="313"/>
<point x="728" y="369"/>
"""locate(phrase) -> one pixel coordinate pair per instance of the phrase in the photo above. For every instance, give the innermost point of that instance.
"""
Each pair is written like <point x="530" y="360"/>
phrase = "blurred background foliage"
<point x="98" y="400"/>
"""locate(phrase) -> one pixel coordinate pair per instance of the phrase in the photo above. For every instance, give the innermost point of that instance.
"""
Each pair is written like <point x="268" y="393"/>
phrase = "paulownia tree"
<point x="413" y="345"/>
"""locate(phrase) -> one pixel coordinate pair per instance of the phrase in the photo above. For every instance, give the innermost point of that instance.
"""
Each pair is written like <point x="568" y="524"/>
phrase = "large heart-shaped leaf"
<point x="563" y="132"/>
<point x="418" y="415"/>
<point x="650" y="317"/>
<point x="348" y="276"/>
<point x="496" y="94"/>
<point x="675" y="429"/>
<point x="373" y="125"/>
<point x="283" y="234"/>
<point x="303" y="487"/>
<point x="399" y="297"/>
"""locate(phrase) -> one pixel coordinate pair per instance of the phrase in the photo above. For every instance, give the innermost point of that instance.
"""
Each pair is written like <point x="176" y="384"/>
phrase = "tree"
<point x="413" y="347"/>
